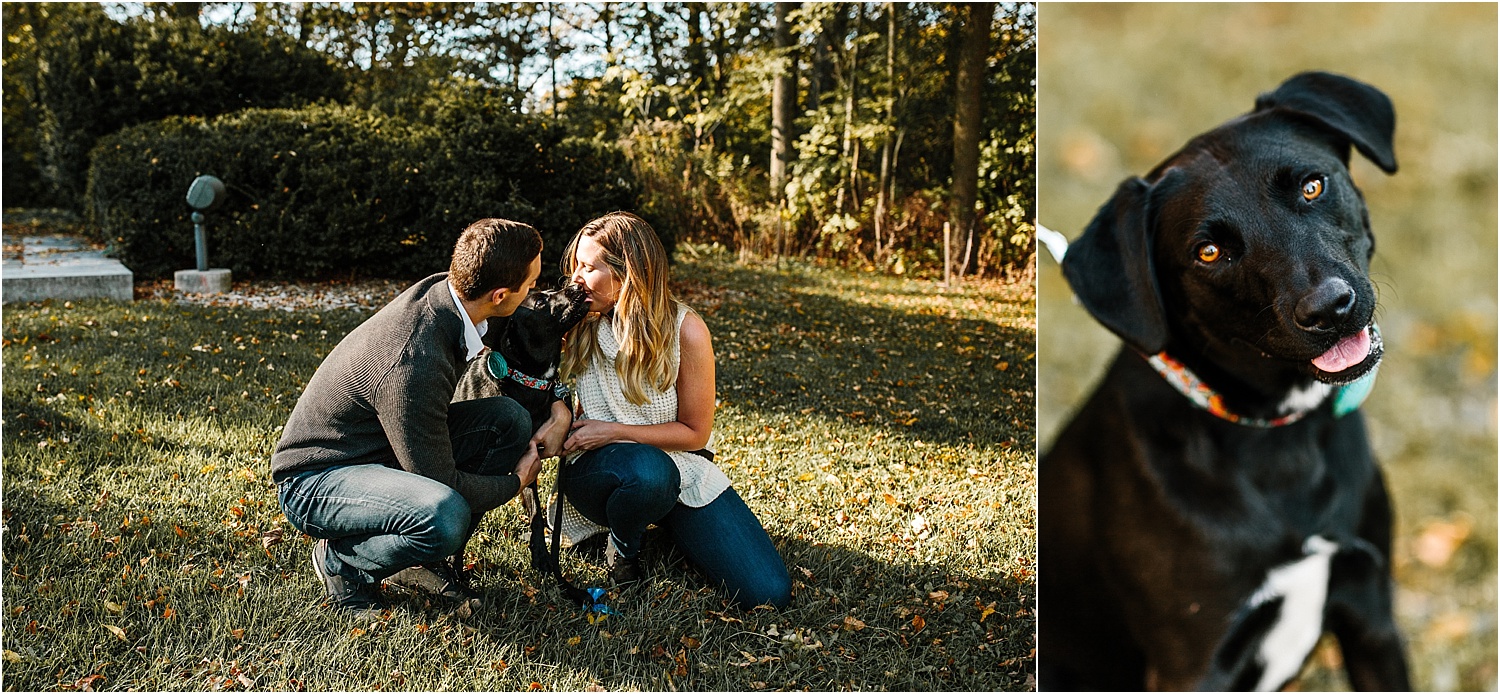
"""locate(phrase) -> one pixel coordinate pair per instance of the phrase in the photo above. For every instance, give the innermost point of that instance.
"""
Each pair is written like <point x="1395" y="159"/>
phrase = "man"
<point x="377" y="464"/>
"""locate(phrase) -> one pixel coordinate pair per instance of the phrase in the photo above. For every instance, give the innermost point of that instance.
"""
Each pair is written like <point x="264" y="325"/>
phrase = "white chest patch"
<point x="1302" y="586"/>
<point x="1304" y="398"/>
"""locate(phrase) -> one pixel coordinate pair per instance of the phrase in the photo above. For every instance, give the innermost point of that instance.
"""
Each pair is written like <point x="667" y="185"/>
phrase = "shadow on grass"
<point x="144" y="507"/>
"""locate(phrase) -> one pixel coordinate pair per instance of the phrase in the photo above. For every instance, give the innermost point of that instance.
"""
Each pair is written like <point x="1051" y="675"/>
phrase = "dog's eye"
<point x="1210" y="252"/>
<point x="1312" y="188"/>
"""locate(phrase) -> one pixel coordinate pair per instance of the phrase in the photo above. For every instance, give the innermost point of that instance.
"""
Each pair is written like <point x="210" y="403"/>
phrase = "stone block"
<point x="211" y="281"/>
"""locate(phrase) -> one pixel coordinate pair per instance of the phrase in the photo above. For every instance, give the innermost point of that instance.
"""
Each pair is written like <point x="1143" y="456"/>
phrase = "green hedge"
<point x="81" y="74"/>
<point x="336" y="191"/>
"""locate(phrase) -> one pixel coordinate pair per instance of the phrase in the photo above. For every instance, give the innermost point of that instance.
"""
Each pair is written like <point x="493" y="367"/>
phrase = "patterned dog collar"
<point x="499" y="369"/>
<point x="1346" y="398"/>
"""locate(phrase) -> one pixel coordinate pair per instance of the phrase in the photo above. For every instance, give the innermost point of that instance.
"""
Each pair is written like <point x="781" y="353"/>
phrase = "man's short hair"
<point x="493" y="253"/>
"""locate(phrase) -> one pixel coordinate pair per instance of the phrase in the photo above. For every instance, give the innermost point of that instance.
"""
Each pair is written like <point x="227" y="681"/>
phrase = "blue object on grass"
<point x="597" y="610"/>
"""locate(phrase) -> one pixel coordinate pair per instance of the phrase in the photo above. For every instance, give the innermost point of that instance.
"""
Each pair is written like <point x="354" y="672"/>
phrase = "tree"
<point x="783" y="100"/>
<point x="968" y="123"/>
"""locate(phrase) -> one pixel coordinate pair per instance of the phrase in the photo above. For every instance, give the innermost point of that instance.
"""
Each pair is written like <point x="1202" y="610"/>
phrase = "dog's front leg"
<point x="1360" y="615"/>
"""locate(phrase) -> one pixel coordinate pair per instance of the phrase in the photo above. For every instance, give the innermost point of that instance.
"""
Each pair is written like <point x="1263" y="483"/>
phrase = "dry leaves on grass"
<point x="1440" y="539"/>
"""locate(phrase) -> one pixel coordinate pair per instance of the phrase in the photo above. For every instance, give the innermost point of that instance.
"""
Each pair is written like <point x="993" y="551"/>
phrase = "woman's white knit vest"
<point x="602" y="398"/>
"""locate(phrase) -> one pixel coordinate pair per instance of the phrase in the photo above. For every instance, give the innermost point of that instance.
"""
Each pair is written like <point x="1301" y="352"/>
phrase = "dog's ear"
<point x="1110" y="270"/>
<point x="1359" y="112"/>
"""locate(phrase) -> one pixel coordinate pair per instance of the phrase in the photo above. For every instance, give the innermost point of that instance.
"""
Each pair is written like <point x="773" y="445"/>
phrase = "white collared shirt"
<point x="472" y="333"/>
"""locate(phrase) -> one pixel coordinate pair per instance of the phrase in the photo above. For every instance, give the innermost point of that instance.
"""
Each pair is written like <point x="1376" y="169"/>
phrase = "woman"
<point x="643" y="367"/>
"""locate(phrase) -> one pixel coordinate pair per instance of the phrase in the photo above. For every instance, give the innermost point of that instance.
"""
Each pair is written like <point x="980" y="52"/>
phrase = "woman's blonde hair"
<point x="644" y="316"/>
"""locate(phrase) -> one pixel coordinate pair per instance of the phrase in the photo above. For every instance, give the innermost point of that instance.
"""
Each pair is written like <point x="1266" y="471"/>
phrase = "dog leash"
<point x="549" y="562"/>
<point x="1346" y="398"/>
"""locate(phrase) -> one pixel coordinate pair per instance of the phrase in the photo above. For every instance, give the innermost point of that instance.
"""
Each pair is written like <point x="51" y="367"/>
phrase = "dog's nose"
<point x="1326" y="306"/>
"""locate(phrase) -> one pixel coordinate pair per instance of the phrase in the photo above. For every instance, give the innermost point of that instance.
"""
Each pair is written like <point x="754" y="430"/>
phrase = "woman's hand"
<point x="592" y="434"/>
<point x="549" y="438"/>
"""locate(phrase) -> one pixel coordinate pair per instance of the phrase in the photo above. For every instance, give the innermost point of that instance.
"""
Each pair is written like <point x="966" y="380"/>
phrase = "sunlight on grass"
<point x="880" y="429"/>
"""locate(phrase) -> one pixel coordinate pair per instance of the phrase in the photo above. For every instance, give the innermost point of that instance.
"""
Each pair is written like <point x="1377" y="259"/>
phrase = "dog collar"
<point x="1346" y="398"/>
<point x="500" y="370"/>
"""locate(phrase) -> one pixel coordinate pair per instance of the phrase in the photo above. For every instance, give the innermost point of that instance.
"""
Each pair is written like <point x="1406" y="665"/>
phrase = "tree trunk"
<point x="846" y="147"/>
<point x="552" y="58"/>
<point x="696" y="54"/>
<point x="783" y="100"/>
<point x="883" y="196"/>
<point x="820" y="78"/>
<point x="607" y="18"/>
<point x="968" y="120"/>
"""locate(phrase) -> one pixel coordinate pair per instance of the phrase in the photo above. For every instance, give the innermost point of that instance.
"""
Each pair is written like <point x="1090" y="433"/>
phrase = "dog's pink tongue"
<point x="1348" y="352"/>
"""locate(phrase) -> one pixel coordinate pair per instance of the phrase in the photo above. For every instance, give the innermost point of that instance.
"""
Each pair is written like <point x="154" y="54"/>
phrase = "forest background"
<point x="845" y="133"/>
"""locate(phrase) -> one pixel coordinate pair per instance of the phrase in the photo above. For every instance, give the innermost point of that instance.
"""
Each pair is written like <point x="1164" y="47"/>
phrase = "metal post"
<point x="200" y="239"/>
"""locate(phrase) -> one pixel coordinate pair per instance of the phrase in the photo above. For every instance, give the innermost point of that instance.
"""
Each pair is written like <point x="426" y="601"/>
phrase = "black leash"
<point x="550" y="562"/>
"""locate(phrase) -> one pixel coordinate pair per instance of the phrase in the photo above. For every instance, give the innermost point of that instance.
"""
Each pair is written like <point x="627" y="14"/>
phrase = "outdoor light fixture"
<point x="205" y="194"/>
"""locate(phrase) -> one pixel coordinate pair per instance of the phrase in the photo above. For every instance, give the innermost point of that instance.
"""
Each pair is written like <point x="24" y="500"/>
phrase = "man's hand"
<point x="529" y="466"/>
<point x="549" y="438"/>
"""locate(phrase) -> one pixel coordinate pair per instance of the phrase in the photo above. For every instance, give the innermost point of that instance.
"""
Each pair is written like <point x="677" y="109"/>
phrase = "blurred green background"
<point x="1121" y="86"/>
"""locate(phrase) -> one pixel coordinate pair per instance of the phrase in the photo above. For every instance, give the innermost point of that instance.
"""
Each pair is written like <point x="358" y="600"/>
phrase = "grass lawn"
<point x="881" y="429"/>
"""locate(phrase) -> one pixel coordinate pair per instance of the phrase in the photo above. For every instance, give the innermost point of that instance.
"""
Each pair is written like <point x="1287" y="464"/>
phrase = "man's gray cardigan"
<point x="381" y="396"/>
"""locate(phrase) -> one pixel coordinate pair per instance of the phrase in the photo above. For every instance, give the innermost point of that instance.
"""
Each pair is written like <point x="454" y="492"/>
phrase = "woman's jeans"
<point x="379" y="519"/>
<point x="627" y="486"/>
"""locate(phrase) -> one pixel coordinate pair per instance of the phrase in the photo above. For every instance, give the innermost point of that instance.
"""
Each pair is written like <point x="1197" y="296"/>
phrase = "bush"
<point x="331" y="191"/>
<point x="92" y="75"/>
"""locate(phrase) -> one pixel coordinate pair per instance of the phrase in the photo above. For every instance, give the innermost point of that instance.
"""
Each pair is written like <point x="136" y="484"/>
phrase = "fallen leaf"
<point x="574" y="641"/>
<point x="271" y="538"/>
<point x="1451" y="627"/>
<point x="117" y="631"/>
<point x="1440" y="539"/>
<point x="691" y="642"/>
<point x="465" y="610"/>
<point x="113" y="607"/>
<point x="1004" y="365"/>
<point x="87" y="683"/>
<point x="938" y="596"/>
<point x="919" y="526"/>
<point x="356" y="633"/>
<point x="917" y="623"/>
<point x="852" y="624"/>
<point x="890" y="499"/>
<point x="168" y="613"/>
<point x="237" y="633"/>
<point x="12" y="656"/>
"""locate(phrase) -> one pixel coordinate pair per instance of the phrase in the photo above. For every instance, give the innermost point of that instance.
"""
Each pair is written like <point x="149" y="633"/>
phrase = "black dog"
<point x="522" y="364"/>
<point x="1215" y="506"/>
<point x="529" y="343"/>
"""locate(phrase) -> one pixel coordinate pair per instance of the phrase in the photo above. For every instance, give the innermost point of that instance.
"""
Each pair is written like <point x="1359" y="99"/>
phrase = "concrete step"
<point x="62" y="268"/>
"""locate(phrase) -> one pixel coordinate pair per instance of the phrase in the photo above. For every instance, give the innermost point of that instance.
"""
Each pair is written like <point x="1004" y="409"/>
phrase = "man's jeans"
<point x="379" y="519"/>
<point x="627" y="486"/>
